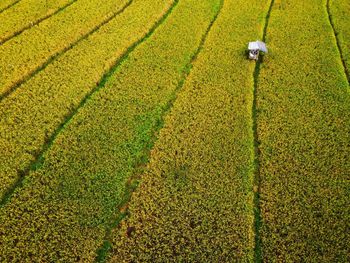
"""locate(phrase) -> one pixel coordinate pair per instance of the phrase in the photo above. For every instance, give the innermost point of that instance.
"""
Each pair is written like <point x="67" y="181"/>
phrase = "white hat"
<point x="257" y="45"/>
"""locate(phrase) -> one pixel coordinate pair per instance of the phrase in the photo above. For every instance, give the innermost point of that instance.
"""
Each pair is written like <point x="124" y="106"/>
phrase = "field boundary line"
<point x="57" y="55"/>
<point x="9" y="6"/>
<point x="257" y="177"/>
<point x="133" y="180"/>
<point x="335" y="33"/>
<point x="14" y="34"/>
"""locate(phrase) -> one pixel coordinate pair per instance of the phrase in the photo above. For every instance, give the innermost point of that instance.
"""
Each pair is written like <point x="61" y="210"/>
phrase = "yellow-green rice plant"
<point x="25" y="54"/>
<point x="303" y="109"/>
<point x="26" y="14"/>
<point x="195" y="198"/>
<point x="33" y="113"/>
<point x="65" y="207"/>
<point x="340" y="15"/>
<point x="5" y="4"/>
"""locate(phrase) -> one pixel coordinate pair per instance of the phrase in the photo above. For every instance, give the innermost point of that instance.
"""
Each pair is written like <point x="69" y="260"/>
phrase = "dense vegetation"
<point x="339" y="12"/>
<point x="138" y="131"/>
<point x="27" y="14"/>
<point x="31" y="50"/>
<point x="70" y="78"/>
<point x="303" y="131"/>
<point x="195" y="201"/>
<point x="6" y="4"/>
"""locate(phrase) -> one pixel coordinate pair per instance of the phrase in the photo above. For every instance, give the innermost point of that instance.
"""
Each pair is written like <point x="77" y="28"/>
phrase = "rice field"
<point x="139" y="131"/>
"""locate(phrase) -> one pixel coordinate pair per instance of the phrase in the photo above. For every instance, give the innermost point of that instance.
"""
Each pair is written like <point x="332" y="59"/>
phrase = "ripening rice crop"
<point x="121" y="133"/>
<point x="27" y="53"/>
<point x="6" y="4"/>
<point x="27" y="13"/>
<point x="195" y="200"/>
<point x="55" y="92"/>
<point x="303" y="122"/>
<point x="138" y="131"/>
<point x="340" y="15"/>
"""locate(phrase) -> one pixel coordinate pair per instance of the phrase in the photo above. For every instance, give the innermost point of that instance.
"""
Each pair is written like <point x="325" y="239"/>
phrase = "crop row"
<point x="5" y="4"/>
<point x="340" y="13"/>
<point x="24" y="54"/>
<point x="303" y="106"/>
<point x="195" y="199"/>
<point x="27" y="13"/>
<point x="72" y="198"/>
<point x="55" y="92"/>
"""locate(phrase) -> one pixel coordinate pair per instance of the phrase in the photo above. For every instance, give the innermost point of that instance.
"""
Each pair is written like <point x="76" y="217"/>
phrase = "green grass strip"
<point x="303" y="106"/>
<point x="74" y="196"/>
<point x="339" y="13"/>
<point x="25" y="55"/>
<point x="195" y="199"/>
<point x="28" y="13"/>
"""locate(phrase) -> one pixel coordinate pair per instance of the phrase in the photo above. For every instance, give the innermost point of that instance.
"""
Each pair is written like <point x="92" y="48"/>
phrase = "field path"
<point x="257" y="176"/>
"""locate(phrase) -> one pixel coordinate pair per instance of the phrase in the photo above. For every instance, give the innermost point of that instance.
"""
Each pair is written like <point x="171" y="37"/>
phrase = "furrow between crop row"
<point x="303" y="104"/>
<point x="28" y="14"/>
<point x="330" y="17"/>
<point x="257" y="179"/>
<point x="339" y="13"/>
<point x="81" y="181"/>
<point x="54" y="93"/>
<point x="7" y="4"/>
<point x="195" y="198"/>
<point x="26" y="55"/>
